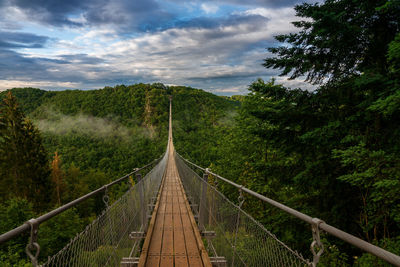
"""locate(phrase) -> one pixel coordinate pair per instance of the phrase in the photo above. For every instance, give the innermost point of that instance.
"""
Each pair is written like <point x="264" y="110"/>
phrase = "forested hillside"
<point x="80" y="140"/>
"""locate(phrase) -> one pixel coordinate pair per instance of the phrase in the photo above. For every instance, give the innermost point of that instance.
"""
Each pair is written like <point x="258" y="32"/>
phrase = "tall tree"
<point x="24" y="169"/>
<point x="347" y="130"/>
<point x="338" y="39"/>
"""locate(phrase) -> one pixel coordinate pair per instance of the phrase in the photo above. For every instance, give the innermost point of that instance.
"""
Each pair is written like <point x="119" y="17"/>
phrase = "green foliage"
<point x="387" y="106"/>
<point x="29" y="98"/>
<point x="332" y="255"/>
<point x="24" y="170"/>
<point x="328" y="154"/>
<point x="341" y="142"/>
<point x="369" y="260"/>
<point x="107" y="129"/>
<point x="55" y="233"/>
<point x="13" y="213"/>
<point x="199" y="119"/>
<point x="337" y="39"/>
<point x="98" y="136"/>
<point x="394" y="55"/>
<point x="376" y="174"/>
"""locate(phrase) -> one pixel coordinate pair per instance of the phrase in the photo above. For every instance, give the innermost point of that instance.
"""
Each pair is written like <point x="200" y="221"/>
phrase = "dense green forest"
<point x="332" y="153"/>
<point x="79" y="141"/>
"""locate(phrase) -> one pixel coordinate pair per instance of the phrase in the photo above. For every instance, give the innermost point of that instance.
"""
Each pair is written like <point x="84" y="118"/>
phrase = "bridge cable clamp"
<point x="317" y="247"/>
<point x="33" y="245"/>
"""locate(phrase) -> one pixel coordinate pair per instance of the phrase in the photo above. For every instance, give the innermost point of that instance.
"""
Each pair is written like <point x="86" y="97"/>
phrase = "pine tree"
<point x="337" y="39"/>
<point x="24" y="169"/>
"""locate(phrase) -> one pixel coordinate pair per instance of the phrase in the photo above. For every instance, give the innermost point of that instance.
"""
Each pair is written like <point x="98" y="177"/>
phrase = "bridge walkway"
<point x="173" y="238"/>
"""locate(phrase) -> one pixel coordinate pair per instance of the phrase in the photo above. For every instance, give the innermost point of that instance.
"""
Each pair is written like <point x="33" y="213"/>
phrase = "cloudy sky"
<point x="215" y="45"/>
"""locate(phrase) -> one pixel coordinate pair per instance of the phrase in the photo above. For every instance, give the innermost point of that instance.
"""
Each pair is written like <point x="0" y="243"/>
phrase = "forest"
<point x="80" y="140"/>
<point x="332" y="153"/>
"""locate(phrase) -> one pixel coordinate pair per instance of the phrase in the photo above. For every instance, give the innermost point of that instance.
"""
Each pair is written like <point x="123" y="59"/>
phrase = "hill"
<point x="117" y="128"/>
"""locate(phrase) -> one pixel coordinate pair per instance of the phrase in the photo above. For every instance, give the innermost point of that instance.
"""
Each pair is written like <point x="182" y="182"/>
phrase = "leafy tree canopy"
<point x="338" y="39"/>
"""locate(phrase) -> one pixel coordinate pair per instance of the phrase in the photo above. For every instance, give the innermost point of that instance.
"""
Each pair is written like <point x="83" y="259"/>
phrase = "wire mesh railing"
<point x="190" y="177"/>
<point x="238" y="237"/>
<point x="106" y="240"/>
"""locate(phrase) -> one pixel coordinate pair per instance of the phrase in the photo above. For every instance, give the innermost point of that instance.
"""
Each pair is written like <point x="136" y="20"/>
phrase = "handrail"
<point x="351" y="239"/>
<point x="27" y="225"/>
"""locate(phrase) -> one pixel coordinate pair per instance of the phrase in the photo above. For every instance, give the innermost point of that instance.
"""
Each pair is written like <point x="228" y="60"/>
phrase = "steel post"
<point x="143" y="205"/>
<point x="203" y="201"/>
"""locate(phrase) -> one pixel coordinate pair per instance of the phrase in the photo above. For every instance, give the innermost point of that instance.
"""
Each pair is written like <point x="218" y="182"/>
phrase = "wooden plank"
<point x="191" y="245"/>
<point x="146" y="244"/>
<point x="181" y="258"/>
<point x="167" y="249"/>
<point x="173" y="238"/>
<point x="153" y="255"/>
<point x="195" y="231"/>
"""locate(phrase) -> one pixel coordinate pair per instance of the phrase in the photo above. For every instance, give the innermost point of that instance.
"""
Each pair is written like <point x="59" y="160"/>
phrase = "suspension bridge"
<point x="174" y="216"/>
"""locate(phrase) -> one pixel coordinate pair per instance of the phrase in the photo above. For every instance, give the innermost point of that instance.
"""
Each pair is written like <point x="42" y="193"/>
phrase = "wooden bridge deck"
<point x="173" y="238"/>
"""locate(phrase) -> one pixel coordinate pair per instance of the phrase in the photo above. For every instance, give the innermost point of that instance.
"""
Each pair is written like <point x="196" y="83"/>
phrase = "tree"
<point x="57" y="176"/>
<point x="24" y="169"/>
<point x="376" y="174"/>
<point x="345" y="133"/>
<point x="338" y="39"/>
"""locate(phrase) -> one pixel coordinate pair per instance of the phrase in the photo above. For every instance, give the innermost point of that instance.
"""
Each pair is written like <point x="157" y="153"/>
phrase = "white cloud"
<point x="236" y="89"/>
<point x="209" y="8"/>
<point x="280" y="18"/>
<point x="7" y="84"/>
<point x="79" y="19"/>
<point x="296" y="83"/>
<point x="184" y="53"/>
<point x="12" y="15"/>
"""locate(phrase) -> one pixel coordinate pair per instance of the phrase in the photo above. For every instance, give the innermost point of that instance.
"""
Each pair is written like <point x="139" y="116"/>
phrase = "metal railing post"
<point x="33" y="244"/>
<point x="141" y="197"/>
<point x="240" y="204"/>
<point x="203" y="201"/>
<point x="317" y="248"/>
